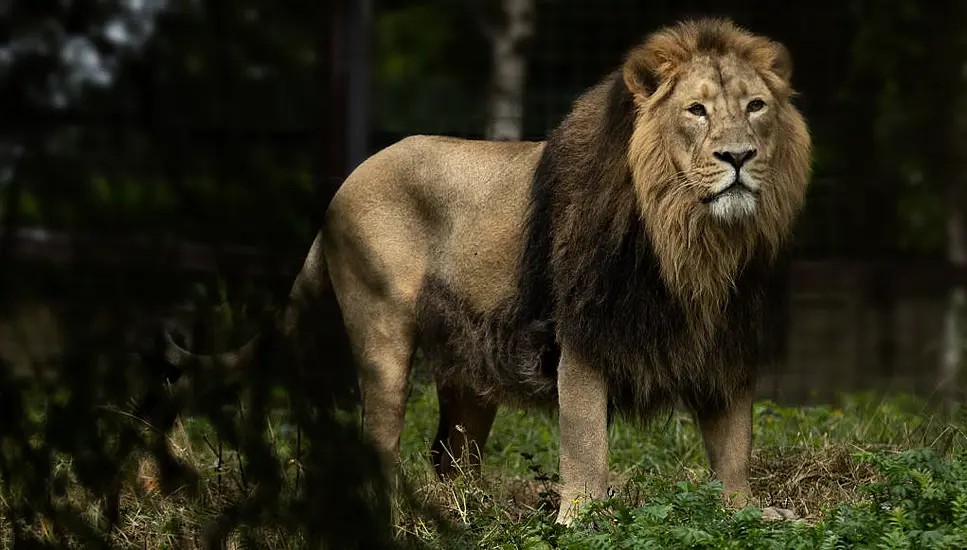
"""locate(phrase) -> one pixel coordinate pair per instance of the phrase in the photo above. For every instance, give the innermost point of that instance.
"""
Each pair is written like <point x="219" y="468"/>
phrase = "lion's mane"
<point x="665" y="301"/>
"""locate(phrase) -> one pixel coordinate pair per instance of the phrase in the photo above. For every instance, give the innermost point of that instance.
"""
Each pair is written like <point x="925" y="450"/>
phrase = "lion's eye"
<point x="755" y="105"/>
<point x="697" y="109"/>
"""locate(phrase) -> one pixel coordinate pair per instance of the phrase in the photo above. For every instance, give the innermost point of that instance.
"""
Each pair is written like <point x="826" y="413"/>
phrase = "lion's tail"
<point x="183" y="361"/>
<point x="310" y="290"/>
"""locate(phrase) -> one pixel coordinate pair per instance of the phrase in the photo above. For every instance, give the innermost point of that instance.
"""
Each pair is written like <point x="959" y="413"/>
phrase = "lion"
<point x="622" y="264"/>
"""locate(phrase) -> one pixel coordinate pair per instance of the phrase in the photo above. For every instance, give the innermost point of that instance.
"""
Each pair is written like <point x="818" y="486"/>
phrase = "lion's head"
<point x="719" y="155"/>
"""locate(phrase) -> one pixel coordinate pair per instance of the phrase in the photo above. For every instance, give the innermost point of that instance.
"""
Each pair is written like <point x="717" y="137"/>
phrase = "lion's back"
<point x="433" y="205"/>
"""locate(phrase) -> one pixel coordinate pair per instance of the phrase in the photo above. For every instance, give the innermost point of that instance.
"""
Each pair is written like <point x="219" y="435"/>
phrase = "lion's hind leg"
<point x="465" y="422"/>
<point x="383" y="344"/>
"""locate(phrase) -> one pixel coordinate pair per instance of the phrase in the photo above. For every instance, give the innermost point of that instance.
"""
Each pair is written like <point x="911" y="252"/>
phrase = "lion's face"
<point x="720" y="118"/>
<point x="717" y="136"/>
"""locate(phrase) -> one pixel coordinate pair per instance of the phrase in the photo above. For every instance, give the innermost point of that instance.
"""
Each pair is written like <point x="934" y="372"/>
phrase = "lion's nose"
<point x="735" y="158"/>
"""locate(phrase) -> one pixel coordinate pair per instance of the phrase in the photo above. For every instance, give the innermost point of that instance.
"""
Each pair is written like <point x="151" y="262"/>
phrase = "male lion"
<point x="623" y="262"/>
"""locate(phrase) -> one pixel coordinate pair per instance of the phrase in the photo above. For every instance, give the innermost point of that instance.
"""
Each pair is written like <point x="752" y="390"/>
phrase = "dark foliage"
<point x="105" y="409"/>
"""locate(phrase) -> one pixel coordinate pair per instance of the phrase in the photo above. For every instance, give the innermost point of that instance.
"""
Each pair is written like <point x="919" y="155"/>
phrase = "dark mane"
<point x="603" y="290"/>
<point x="587" y="274"/>
<point x="568" y="149"/>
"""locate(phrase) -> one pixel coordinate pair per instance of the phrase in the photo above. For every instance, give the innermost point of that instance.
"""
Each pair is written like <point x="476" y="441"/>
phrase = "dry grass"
<point x="808" y="481"/>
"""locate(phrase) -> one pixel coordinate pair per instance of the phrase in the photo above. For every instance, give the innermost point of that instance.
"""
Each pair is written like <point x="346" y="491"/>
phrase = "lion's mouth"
<point x="737" y="186"/>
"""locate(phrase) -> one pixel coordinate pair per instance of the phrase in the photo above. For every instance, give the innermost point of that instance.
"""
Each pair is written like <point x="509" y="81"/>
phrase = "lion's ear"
<point x="639" y="75"/>
<point x="781" y="64"/>
<point x="654" y="61"/>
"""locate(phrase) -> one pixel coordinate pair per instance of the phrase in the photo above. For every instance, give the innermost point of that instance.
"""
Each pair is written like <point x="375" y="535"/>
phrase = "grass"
<point x="809" y="459"/>
<point x="824" y="462"/>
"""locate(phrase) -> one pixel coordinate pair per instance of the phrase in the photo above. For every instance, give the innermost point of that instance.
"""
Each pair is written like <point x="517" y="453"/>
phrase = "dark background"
<point x="230" y="124"/>
<point x="161" y="144"/>
<point x="173" y="158"/>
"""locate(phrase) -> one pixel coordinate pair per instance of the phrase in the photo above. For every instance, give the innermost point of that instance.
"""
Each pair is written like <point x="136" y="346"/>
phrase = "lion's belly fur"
<point x="634" y="333"/>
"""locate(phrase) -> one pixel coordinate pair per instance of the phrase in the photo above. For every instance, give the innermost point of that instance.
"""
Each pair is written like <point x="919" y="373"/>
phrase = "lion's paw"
<point x="771" y="513"/>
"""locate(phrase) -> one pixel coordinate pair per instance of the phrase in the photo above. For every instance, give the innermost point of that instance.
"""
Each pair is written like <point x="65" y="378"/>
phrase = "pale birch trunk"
<point x="507" y="38"/>
<point x="953" y="345"/>
<point x="951" y="370"/>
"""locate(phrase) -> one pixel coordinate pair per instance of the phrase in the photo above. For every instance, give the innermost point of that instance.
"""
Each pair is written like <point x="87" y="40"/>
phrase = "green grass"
<point x="821" y="461"/>
<point x="870" y="472"/>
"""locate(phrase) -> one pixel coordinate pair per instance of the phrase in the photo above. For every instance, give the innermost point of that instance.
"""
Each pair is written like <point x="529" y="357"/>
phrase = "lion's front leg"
<point x="583" y="401"/>
<point x="727" y="433"/>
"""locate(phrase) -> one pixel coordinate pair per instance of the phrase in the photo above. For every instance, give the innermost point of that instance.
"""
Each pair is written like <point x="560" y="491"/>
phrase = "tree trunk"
<point x="332" y="166"/>
<point x="506" y="102"/>
<point x="957" y="299"/>
<point x="360" y="23"/>
<point x="945" y="155"/>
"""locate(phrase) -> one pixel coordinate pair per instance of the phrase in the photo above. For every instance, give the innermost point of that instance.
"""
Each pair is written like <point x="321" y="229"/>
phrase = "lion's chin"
<point x="733" y="206"/>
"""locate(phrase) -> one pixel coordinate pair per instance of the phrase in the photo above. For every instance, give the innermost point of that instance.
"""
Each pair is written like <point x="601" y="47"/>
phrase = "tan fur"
<point x="601" y="246"/>
<point x="582" y="397"/>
